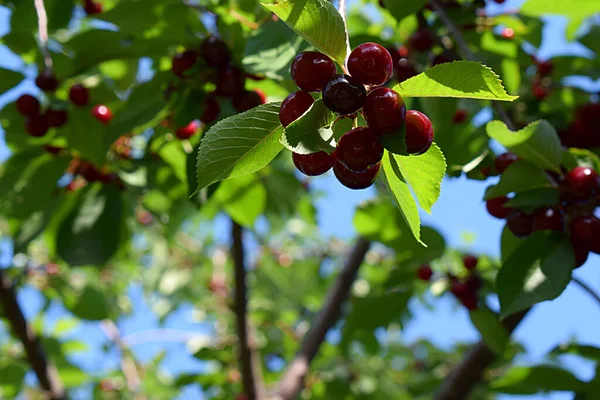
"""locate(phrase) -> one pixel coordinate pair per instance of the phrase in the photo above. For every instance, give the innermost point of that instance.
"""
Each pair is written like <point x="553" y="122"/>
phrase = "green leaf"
<point x="89" y="304"/>
<point x="402" y="195"/>
<point x="318" y="22"/>
<point x="459" y="79"/>
<point x="520" y="176"/>
<point x="240" y="145"/>
<point x="11" y="378"/>
<point x="592" y="39"/>
<point x="584" y="9"/>
<point x="574" y="157"/>
<point x="587" y="351"/>
<point x="86" y="135"/>
<point x="243" y="198"/>
<point x="531" y="380"/>
<point x="402" y="8"/>
<point x="539" y="269"/>
<point x="91" y="234"/>
<point x="9" y="79"/>
<point x="537" y="143"/>
<point x="492" y="332"/>
<point x="311" y="132"/>
<point x="533" y="199"/>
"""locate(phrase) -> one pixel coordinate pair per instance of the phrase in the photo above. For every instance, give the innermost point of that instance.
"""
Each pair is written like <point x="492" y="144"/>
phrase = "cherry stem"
<point x="43" y="31"/>
<point x="586" y="288"/>
<point x="355" y="122"/>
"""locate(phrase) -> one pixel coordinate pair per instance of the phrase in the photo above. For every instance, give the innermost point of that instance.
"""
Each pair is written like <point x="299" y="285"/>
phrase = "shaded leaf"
<point x="311" y="132"/>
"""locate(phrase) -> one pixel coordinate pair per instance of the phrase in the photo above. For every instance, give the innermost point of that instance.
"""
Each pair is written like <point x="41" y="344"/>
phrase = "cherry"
<point x="508" y="33"/>
<point x="215" y="52"/>
<point x="545" y="68"/>
<point x="405" y="70"/>
<point x="28" y="105"/>
<point x="89" y="172"/>
<point x="79" y="95"/>
<point x="442" y="58"/>
<point x="47" y="81"/>
<point x="539" y="91"/>
<point x="37" y="125"/>
<point x="92" y="8"/>
<point x="581" y="184"/>
<point x="294" y="106"/>
<point x="504" y="160"/>
<point x="419" y="132"/>
<point x="474" y="283"/>
<point x="359" y="149"/>
<point x="421" y="40"/>
<point x="581" y="253"/>
<point x="496" y="207"/>
<point x="395" y="54"/>
<point x="548" y="218"/>
<point x="312" y="70"/>
<point x="183" y="62"/>
<point x="144" y="217"/>
<point x="470" y="261"/>
<point x="384" y="110"/>
<point x="187" y="131"/>
<point x="519" y="223"/>
<point x="54" y="150"/>
<point x="355" y="180"/>
<point x="344" y="95"/>
<point x="313" y="164"/>
<point x="470" y="301"/>
<point x="585" y="231"/>
<point x="56" y="118"/>
<point x="248" y="100"/>
<point x="102" y="113"/>
<point x="459" y="117"/>
<point x="211" y="112"/>
<point x="425" y="273"/>
<point x="499" y="1"/>
<point x="230" y="82"/>
<point x="458" y="288"/>
<point x="371" y="64"/>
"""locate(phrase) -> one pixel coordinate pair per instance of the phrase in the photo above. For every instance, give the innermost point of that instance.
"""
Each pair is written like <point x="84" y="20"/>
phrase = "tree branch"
<point x="293" y="380"/>
<point x="249" y="359"/>
<point x="43" y="31"/>
<point x="587" y="288"/>
<point x="45" y="372"/>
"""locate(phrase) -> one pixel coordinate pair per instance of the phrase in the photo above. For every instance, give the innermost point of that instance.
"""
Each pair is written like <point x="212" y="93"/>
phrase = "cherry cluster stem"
<point x="40" y="8"/>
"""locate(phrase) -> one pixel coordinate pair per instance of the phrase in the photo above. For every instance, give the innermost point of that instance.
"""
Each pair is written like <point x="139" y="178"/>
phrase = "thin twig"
<point x="162" y="335"/>
<point x="293" y="380"/>
<point x="45" y="372"/>
<point x="43" y="31"/>
<point x="587" y="288"/>
<point x="249" y="359"/>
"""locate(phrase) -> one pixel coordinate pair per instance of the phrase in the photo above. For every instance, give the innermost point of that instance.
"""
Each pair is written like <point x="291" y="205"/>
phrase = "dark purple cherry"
<point x="519" y="223"/>
<point x="79" y="95"/>
<point x="497" y="208"/>
<point x="548" y="218"/>
<point x="215" y="52"/>
<point x="359" y="149"/>
<point x="425" y="273"/>
<point x="344" y="95"/>
<point x="419" y="132"/>
<point x="37" y="125"/>
<point x="56" y="118"/>
<point x="470" y="261"/>
<point x="405" y="70"/>
<point x="585" y="232"/>
<point x="371" y="64"/>
<point x="504" y="160"/>
<point x="211" y="112"/>
<point x="580" y="184"/>
<point x="422" y="40"/>
<point x="230" y="82"/>
<point x="47" y="81"/>
<point x="384" y="110"/>
<point x="355" y="180"/>
<point x="294" y="106"/>
<point x="312" y="70"/>
<point x="248" y="99"/>
<point x="313" y="164"/>
<point x="183" y="62"/>
<point x="28" y="105"/>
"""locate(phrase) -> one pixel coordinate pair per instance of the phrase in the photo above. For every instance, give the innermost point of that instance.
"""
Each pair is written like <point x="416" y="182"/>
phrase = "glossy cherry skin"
<point x="313" y="164"/>
<point x="470" y="261"/>
<point x="470" y="301"/>
<point x="359" y="149"/>
<point x="384" y="110"/>
<point x="405" y="70"/>
<point x="519" y="223"/>
<point x="371" y="64"/>
<point x="355" y="180"/>
<point x="28" y="106"/>
<point x="548" y="219"/>
<point x="102" y="113"/>
<point x="215" y="52"/>
<point x="585" y="231"/>
<point x="503" y="161"/>
<point x="294" y="106"/>
<point x="92" y="7"/>
<point x="459" y="117"/>
<point x="421" y="40"/>
<point x="183" y="62"/>
<point x="56" y="118"/>
<point x="186" y="132"/>
<point x="248" y="99"/>
<point x="419" y="132"/>
<point x="47" y="81"/>
<point x="211" y="112"/>
<point x="312" y="70"/>
<point x="79" y="95"/>
<point x="581" y="253"/>
<point x="496" y="207"/>
<point x="344" y="94"/>
<point x="230" y="82"/>
<point x="425" y="273"/>
<point x="581" y="184"/>
<point x="37" y="125"/>
<point x="508" y="33"/>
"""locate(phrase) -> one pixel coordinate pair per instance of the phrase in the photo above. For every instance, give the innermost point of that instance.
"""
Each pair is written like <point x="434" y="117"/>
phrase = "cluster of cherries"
<point x="580" y="195"/>
<point x="583" y="132"/>
<point x="230" y="81"/>
<point x="540" y="87"/>
<point x="357" y="157"/>
<point x="466" y="290"/>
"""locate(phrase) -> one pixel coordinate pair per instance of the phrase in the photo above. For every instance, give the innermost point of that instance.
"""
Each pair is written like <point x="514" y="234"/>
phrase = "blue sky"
<point x="460" y="210"/>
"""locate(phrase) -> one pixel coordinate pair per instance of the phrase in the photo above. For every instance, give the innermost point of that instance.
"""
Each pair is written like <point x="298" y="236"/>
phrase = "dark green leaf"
<point x="311" y="132"/>
<point x="89" y="304"/>
<point x="520" y="176"/>
<point x="9" y="79"/>
<point x="402" y="8"/>
<point x="87" y="136"/>
<point x="531" y="380"/>
<point x="492" y="332"/>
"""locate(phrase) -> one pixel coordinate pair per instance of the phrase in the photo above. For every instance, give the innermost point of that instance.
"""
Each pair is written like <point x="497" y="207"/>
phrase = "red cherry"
<point x="470" y="262"/>
<point x="211" y="112"/>
<point x="28" y="106"/>
<point x="344" y="95"/>
<point x="92" y="8"/>
<point x="496" y="207"/>
<point x="459" y="289"/>
<point x="37" y="125"/>
<point x="359" y="149"/>
<point x="442" y="58"/>
<point x="183" y="62"/>
<point x="459" y="117"/>
<point x="384" y="110"/>
<point x="585" y="232"/>
<point x="144" y="217"/>
<point x="312" y="70"/>
<point x="187" y="131"/>
<point x="419" y="132"/>
<point x="294" y="106"/>
<point x="405" y="70"/>
<point x="89" y="172"/>
<point x="581" y="184"/>
<point x="545" y="68"/>
<point x="79" y="95"/>
<point x="54" y="150"/>
<point x="470" y="302"/>
<point x="499" y="1"/>
<point x="519" y="223"/>
<point x="548" y="218"/>
<point x="425" y="273"/>
<point x="56" y="118"/>
<point x="248" y="100"/>
<point x="371" y="64"/>
<point x="230" y="82"/>
<point x="395" y="54"/>
<point x="355" y="180"/>
<point x="47" y="81"/>
<point x="421" y="40"/>
<point x="102" y="113"/>
<point x="215" y="52"/>
<point x="508" y="33"/>
<point x="504" y="160"/>
<point x="581" y="253"/>
<point x="313" y="164"/>
<point x="474" y="283"/>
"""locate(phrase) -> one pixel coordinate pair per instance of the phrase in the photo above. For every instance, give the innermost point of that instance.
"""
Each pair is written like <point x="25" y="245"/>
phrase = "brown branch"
<point x="45" y="372"/>
<point x="43" y="31"/>
<point x="586" y="288"/>
<point x="249" y="359"/>
<point x="293" y="380"/>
